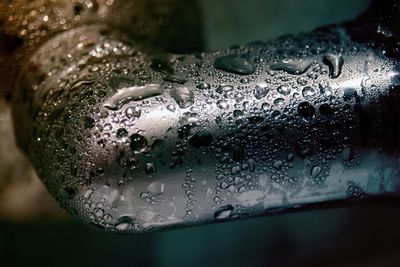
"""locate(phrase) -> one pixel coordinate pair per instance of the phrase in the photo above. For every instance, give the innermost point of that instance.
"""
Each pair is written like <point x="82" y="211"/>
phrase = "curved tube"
<point x="133" y="141"/>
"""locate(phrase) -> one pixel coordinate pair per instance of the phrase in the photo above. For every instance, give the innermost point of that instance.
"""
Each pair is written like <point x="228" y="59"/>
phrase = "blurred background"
<point x="357" y="236"/>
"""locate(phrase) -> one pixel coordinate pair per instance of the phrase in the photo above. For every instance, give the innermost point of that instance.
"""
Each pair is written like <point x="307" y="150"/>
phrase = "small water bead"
<point x="237" y="113"/>
<point x="354" y="191"/>
<point x="156" y="188"/>
<point x="125" y="122"/>
<point x="107" y="127"/>
<point x="325" y="89"/>
<point x="224" y="185"/>
<point x="224" y="88"/>
<point x="306" y="110"/>
<point x="133" y="112"/>
<point x="312" y="75"/>
<point x="260" y="91"/>
<point x="278" y="164"/>
<point x="283" y="90"/>
<point x="234" y="64"/>
<point x="335" y="63"/>
<point x="244" y="80"/>
<point x="315" y="171"/>
<point x="124" y="223"/>
<point x="293" y="67"/>
<point x="183" y="96"/>
<point x="203" y="86"/>
<point x="88" y="193"/>
<point x="98" y="212"/>
<point x="121" y="133"/>
<point x="223" y="213"/>
<point x="279" y="101"/>
<point x="138" y="142"/>
<point x="302" y="81"/>
<point x="232" y="189"/>
<point x="132" y="93"/>
<point x="235" y="169"/>
<point x="107" y="217"/>
<point x="308" y="92"/>
<point x="222" y="104"/>
<point x="349" y="94"/>
<point x="265" y="106"/>
<point x="171" y="108"/>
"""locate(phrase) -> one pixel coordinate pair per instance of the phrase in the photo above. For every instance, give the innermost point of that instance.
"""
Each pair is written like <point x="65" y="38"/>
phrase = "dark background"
<point x="357" y="236"/>
<point x="363" y="236"/>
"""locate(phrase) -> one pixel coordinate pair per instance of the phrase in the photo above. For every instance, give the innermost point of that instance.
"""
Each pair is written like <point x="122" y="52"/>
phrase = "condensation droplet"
<point x="223" y="213"/>
<point x="234" y="64"/>
<point x="183" y="96"/>
<point x="133" y="93"/>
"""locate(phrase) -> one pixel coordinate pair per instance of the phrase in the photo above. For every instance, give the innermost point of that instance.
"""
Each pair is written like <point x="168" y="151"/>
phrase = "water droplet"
<point x="302" y="81"/>
<point x="124" y="223"/>
<point x="260" y="91"/>
<point x="156" y="188"/>
<point x="107" y="127"/>
<point x="223" y="213"/>
<point x="88" y="193"/>
<point x="335" y="63"/>
<point x="133" y="93"/>
<point x="223" y="88"/>
<point x="183" y="96"/>
<point x="279" y="101"/>
<point x="315" y="170"/>
<point x="349" y="94"/>
<point x="171" y="108"/>
<point x="235" y="169"/>
<point x="224" y="185"/>
<point x="293" y="67"/>
<point x="305" y="110"/>
<point x="234" y="64"/>
<point x="98" y="212"/>
<point x="325" y="89"/>
<point x="121" y="133"/>
<point x="232" y="188"/>
<point x="222" y="104"/>
<point x="265" y="106"/>
<point x="252" y="165"/>
<point x="278" y="164"/>
<point x="308" y="92"/>
<point x="133" y="112"/>
<point x="283" y="90"/>
<point x="138" y="142"/>
<point x="203" y="85"/>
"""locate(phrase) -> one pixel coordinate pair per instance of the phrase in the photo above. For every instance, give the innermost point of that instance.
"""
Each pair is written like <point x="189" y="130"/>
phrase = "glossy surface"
<point x="241" y="132"/>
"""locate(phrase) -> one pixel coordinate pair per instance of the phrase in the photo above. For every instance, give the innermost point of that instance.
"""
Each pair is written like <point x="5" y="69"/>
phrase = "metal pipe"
<point x="133" y="141"/>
